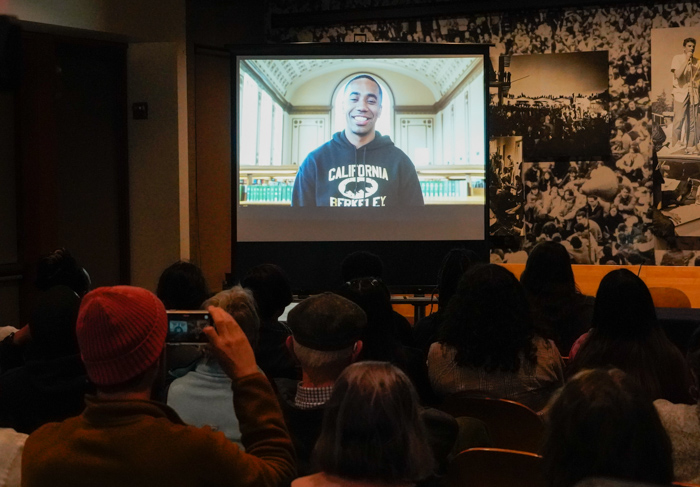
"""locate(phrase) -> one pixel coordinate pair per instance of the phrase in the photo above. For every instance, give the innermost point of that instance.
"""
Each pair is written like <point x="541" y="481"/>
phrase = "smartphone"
<point x="187" y="326"/>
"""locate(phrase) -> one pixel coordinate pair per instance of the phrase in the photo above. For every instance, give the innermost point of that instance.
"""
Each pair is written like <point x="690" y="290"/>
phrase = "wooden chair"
<point x="669" y="297"/>
<point x="510" y="424"/>
<point x="495" y="467"/>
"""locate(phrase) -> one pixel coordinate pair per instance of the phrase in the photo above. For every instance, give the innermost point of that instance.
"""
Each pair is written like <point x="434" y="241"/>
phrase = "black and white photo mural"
<point x="588" y="147"/>
<point x="675" y="74"/>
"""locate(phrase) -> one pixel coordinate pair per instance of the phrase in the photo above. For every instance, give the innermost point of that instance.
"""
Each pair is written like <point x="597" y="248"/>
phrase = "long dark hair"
<point x="182" y="286"/>
<point x="372" y="429"/>
<point x="626" y="334"/>
<point x="455" y="263"/>
<point x="554" y="298"/>
<point x="271" y="288"/>
<point x="488" y="320"/>
<point x="601" y="425"/>
<point x="548" y="271"/>
<point x="380" y="336"/>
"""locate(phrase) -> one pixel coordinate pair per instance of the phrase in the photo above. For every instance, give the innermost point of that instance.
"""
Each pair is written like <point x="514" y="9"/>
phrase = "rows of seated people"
<point x="345" y="392"/>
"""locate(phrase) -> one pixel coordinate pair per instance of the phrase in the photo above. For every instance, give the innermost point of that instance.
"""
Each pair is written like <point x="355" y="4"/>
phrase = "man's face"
<point x="362" y="106"/>
<point x="689" y="48"/>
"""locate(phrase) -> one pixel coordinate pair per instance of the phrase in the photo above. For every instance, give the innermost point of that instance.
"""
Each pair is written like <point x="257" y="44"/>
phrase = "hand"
<point x="230" y="345"/>
<point x="22" y="336"/>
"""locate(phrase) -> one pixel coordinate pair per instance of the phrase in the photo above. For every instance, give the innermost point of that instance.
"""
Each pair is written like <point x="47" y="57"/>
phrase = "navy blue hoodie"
<point x="338" y="174"/>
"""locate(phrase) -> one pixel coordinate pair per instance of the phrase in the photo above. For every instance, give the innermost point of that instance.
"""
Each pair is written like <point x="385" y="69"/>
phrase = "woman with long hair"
<point x="454" y="265"/>
<point x="381" y="337"/>
<point x="601" y="425"/>
<point x="626" y="334"/>
<point x="488" y="344"/>
<point x="559" y="311"/>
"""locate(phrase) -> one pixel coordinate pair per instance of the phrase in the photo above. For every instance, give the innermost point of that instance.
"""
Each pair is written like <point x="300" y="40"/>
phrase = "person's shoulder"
<point x="50" y="435"/>
<point x="671" y="413"/>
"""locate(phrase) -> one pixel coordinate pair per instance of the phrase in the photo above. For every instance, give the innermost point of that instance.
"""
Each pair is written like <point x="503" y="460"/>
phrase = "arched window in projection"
<point x="261" y="123"/>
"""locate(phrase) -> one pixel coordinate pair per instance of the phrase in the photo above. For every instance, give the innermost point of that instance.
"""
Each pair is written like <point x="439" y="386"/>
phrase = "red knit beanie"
<point x="121" y="332"/>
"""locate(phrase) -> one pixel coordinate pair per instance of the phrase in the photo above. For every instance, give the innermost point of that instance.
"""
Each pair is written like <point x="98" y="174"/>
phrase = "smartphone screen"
<point x="187" y="326"/>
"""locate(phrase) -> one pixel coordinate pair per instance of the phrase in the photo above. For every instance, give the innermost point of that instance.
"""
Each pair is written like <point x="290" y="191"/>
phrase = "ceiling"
<point x="439" y="75"/>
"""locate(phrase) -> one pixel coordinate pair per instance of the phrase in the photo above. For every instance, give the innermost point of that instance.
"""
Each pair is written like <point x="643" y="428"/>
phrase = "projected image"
<point x="371" y="132"/>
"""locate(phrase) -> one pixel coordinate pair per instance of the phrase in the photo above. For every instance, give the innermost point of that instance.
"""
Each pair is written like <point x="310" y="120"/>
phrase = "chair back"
<point x="669" y="297"/>
<point x="495" y="467"/>
<point x="511" y="425"/>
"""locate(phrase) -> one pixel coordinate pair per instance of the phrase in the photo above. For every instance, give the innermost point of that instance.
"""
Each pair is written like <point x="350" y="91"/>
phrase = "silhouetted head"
<point x="271" y="289"/>
<point x="601" y="425"/>
<point x="455" y="263"/>
<point x="61" y="268"/>
<point x="623" y="306"/>
<point x="548" y="267"/>
<point x="361" y="264"/>
<point x="488" y="320"/>
<point x="182" y="286"/>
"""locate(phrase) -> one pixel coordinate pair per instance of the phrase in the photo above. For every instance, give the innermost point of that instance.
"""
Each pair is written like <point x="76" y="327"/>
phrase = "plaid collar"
<point x="312" y="397"/>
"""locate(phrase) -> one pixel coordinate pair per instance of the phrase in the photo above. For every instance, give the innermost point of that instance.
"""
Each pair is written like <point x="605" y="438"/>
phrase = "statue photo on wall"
<point x="559" y="103"/>
<point x="675" y="93"/>
<point x="675" y="102"/>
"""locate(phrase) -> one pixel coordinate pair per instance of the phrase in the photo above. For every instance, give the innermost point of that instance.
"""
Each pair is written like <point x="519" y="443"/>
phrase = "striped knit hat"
<point x="121" y="332"/>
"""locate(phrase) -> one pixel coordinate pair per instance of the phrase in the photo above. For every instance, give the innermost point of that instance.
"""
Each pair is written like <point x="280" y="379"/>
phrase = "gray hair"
<point x="239" y="303"/>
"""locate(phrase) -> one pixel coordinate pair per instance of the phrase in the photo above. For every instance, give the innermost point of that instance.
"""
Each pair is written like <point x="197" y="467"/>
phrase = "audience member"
<point x="361" y="264"/>
<point x="366" y="264"/>
<point x="203" y="397"/>
<point x="11" y="446"/>
<point x="59" y="268"/>
<point x="559" y="311"/>
<point x="182" y="286"/>
<point x="123" y="438"/>
<point x="273" y="293"/>
<point x="52" y="382"/>
<point x="682" y="423"/>
<point x="488" y="345"/>
<point x="601" y="425"/>
<point x="454" y="265"/>
<point x="372" y="431"/>
<point x="627" y="335"/>
<point x="380" y="340"/>
<point x="326" y="339"/>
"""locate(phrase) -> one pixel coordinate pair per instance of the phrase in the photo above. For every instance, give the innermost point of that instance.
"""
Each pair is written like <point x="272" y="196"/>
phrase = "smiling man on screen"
<point x="359" y="166"/>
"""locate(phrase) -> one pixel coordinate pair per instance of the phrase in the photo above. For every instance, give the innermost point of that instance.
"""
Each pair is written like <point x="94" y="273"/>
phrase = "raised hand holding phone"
<point x="230" y="345"/>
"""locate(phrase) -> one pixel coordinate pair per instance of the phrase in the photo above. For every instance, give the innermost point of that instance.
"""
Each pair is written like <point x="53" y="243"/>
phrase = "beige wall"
<point x="154" y="193"/>
<point x="215" y="24"/>
<point x="135" y="20"/>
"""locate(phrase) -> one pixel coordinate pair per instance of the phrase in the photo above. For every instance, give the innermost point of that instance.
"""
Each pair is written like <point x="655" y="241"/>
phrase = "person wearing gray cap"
<point x="326" y="339"/>
<point x="326" y="330"/>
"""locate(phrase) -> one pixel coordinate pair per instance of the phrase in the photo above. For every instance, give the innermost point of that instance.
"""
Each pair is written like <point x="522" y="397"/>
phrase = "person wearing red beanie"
<point x="124" y="438"/>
